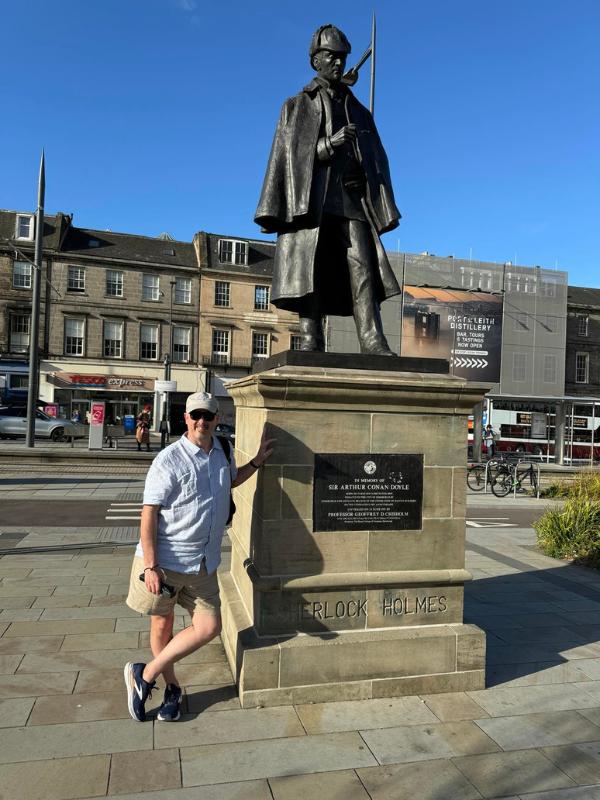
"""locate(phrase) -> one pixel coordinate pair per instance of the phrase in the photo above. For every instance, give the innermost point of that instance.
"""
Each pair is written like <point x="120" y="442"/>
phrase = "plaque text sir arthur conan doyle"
<point x="378" y="491"/>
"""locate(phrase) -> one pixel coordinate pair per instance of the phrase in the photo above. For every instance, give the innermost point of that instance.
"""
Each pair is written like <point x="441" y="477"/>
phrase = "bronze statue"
<point x="327" y="194"/>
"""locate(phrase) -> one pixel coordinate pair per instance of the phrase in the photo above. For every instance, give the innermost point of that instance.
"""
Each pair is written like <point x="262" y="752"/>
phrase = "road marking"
<point x="137" y="519"/>
<point x="127" y="505"/>
<point x="473" y="524"/>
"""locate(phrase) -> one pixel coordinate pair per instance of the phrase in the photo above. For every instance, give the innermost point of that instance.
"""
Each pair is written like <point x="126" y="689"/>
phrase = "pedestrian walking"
<point x="489" y="437"/>
<point x="142" y="427"/>
<point x="186" y="507"/>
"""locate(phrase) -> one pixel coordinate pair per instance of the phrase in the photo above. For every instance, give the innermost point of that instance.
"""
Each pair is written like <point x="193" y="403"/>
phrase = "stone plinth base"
<point x="370" y="607"/>
<point x="325" y="667"/>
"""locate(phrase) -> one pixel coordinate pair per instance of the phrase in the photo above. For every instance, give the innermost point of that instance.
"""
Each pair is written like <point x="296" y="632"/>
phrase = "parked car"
<point x="226" y="431"/>
<point x="13" y="423"/>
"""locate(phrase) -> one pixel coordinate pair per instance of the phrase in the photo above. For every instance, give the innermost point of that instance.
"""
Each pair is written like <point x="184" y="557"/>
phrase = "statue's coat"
<point x="293" y="194"/>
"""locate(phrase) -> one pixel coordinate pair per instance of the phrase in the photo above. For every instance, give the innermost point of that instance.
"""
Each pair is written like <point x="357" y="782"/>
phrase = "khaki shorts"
<point x="195" y="592"/>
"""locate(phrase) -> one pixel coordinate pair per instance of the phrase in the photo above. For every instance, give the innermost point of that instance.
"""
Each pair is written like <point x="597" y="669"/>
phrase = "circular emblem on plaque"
<point x="370" y="467"/>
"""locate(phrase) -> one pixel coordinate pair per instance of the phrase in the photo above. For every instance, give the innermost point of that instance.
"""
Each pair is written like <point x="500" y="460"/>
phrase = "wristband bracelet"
<point x="154" y="567"/>
<point x="252" y="464"/>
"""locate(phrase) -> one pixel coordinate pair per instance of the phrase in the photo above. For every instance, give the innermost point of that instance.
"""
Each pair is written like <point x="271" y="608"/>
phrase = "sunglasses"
<point x="200" y="413"/>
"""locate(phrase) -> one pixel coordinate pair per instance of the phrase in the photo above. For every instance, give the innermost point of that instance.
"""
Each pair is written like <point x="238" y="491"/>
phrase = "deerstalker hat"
<point x="328" y="37"/>
<point x="202" y="400"/>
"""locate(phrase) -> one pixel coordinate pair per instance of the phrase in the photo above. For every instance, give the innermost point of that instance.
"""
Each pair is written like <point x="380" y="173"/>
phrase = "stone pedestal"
<point x="313" y="615"/>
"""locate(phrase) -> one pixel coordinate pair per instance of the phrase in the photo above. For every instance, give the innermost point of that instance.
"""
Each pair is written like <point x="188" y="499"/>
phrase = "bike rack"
<point x="537" y="488"/>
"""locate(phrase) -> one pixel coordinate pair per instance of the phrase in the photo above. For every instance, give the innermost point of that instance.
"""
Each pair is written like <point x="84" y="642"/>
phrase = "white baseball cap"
<point x="202" y="400"/>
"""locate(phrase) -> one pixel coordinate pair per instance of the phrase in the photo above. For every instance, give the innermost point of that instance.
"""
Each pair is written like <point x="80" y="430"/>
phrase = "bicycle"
<point x="513" y="480"/>
<point x="476" y="473"/>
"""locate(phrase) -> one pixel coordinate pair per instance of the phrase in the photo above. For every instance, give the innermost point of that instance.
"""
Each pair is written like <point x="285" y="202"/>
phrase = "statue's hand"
<point x="345" y="135"/>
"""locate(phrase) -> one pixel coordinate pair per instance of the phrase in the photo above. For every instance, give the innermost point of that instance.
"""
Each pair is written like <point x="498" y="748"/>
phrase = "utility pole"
<point x="34" y="323"/>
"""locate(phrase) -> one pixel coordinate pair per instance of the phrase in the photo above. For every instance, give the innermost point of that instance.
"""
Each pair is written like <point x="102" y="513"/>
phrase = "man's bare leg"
<point x="203" y="629"/>
<point x="161" y="633"/>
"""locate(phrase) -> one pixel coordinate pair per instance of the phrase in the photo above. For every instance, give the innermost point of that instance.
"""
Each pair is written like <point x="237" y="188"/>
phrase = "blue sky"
<point x="158" y="115"/>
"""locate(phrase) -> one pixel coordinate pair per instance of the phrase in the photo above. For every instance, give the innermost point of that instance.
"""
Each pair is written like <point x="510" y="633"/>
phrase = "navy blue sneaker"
<point x="169" y="710"/>
<point x="138" y="690"/>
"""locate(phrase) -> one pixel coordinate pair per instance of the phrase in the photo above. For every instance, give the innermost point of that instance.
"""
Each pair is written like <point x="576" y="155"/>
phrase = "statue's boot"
<point x="311" y="333"/>
<point x="367" y="317"/>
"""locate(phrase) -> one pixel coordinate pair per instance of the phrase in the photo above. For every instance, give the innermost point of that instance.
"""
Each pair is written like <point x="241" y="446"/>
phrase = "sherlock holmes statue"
<point x="327" y="194"/>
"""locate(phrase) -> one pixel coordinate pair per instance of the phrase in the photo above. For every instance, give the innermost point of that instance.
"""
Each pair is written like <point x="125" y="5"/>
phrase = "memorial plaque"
<point x="377" y="491"/>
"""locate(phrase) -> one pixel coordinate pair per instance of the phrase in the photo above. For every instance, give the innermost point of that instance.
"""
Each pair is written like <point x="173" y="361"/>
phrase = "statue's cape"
<point x="294" y="190"/>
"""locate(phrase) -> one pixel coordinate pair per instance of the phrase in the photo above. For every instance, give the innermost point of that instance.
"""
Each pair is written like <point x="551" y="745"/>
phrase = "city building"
<point x="113" y="306"/>
<point x="238" y="324"/>
<point x="582" y="370"/>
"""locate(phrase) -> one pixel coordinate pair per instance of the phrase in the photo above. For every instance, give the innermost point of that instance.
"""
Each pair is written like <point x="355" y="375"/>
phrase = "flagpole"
<point x="34" y="323"/>
<point x="372" y="93"/>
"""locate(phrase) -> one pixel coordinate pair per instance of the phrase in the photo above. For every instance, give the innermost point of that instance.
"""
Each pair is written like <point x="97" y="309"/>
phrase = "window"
<point x="150" y="287"/>
<point x="183" y="290"/>
<point x="74" y="336"/>
<point x="24" y="227"/>
<point x="261" y="298"/>
<point x="21" y="275"/>
<point x="582" y="366"/>
<point x="149" y="342"/>
<point x="19" y="333"/>
<point x="549" y="369"/>
<point x="547" y="287"/>
<point x="260" y="345"/>
<point x="76" y="279"/>
<point x="582" y="325"/>
<point x="19" y="381"/>
<point x="222" y="292"/>
<point x="181" y="344"/>
<point x="113" y="339"/>
<point x="295" y="341"/>
<point x="220" y="347"/>
<point x="520" y="322"/>
<point x="114" y="283"/>
<point x="233" y="252"/>
<point x="519" y="366"/>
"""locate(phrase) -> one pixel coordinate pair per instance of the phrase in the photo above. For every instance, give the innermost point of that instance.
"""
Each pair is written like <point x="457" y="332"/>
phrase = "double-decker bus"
<point x="529" y="427"/>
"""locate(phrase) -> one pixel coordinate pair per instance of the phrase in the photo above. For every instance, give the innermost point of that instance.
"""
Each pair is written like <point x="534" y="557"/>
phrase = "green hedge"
<point x="573" y="530"/>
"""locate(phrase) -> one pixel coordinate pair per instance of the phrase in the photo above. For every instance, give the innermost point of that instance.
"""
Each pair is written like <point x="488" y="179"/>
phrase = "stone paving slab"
<point x="62" y="626"/>
<point x="9" y="664"/>
<point x="521" y="771"/>
<point x="85" y="707"/>
<point x="37" y="685"/>
<point x="363" y="714"/>
<point x="427" y="742"/>
<point x="342" y="785"/>
<point x="540" y="730"/>
<point x="58" y="779"/>
<point x="144" y="772"/>
<point x="15" y="713"/>
<point x="230" y="726"/>
<point x="246" y="790"/>
<point x="438" y="780"/>
<point x="99" y="641"/>
<point x="579" y="761"/>
<point x="454" y="707"/>
<point x="500" y="701"/>
<point x="273" y="758"/>
<point x="579" y="793"/>
<point x="63" y="740"/>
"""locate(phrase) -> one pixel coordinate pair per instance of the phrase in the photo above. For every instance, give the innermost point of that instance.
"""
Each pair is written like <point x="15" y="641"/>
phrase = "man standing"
<point x="185" y="511"/>
<point x="327" y="193"/>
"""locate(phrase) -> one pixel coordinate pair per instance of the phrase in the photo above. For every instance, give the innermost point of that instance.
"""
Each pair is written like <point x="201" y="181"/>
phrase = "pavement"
<point x="65" y="634"/>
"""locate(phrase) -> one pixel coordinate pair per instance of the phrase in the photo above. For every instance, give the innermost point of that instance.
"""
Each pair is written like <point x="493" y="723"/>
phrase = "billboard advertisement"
<point x="461" y="326"/>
